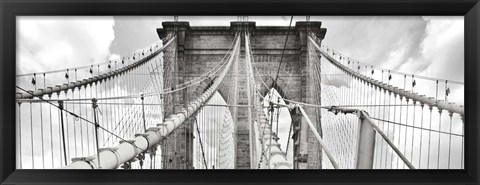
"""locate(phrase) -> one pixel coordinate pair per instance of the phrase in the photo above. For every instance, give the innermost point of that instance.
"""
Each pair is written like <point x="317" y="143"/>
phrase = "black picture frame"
<point x="9" y="9"/>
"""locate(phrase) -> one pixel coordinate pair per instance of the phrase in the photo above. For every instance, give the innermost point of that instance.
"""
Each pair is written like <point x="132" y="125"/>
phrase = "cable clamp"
<point x="88" y="160"/>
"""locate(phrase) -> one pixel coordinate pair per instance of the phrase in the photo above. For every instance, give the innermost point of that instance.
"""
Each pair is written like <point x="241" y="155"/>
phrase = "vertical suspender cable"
<point x="399" y="126"/>
<point x="406" y="118"/>
<point x="421" y="138"/>
<point x="86" y="115"/>
<point x="463" y="137"/>
<point x="41" y="135"/>
<point x="20" y="134"/>
<point x="413" y="130"/>
<point x="51" y="131"/>
<point x="450" y="114"/>
<point x="413" y="123"/>
<point x="73" y="124"/>
<point x="31" y="135"/>
<point x="81" y="125"/>
<point x="439" y="136"/>
<point x="429" y="136"/>
<point x="394" y="120"/>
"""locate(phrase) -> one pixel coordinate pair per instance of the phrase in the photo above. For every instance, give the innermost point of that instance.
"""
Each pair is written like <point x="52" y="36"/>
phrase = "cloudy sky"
<point x="409" y="44"/>
<point x="428" y="46"/>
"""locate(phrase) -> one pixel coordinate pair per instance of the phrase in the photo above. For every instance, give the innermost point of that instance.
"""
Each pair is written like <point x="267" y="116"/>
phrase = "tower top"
<point x="300" y="26"/>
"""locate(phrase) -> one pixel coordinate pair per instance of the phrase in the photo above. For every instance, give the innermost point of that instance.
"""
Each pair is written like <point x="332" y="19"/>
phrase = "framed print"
<point x="157" y="92"/>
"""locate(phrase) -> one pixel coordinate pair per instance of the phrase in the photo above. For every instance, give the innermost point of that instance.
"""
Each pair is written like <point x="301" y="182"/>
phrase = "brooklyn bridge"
<point x="237" y="97"/>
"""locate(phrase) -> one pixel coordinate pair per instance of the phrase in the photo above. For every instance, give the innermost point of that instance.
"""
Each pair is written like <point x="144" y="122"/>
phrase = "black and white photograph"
<point x="240" y="92"/>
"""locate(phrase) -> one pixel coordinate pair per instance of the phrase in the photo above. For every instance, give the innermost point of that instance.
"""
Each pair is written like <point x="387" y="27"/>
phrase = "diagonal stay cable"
<point x="201" y="144"/>
<point x="421" y="128"/>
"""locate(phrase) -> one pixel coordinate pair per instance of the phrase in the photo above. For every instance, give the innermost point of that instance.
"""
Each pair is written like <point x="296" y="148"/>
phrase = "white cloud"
<point x="441" y="50"/>
<point x="441" y="55"/>
<point x="49" y="43"/>
<point x="114" y="56"/>
<point x="443" y="47"/>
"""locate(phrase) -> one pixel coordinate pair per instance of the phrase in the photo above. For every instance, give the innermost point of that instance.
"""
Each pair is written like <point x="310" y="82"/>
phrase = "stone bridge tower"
<point x="200" y="48"/>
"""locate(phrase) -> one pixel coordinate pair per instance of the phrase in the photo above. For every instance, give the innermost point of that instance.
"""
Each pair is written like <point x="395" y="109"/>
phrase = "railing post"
<point x="366" y="144"/>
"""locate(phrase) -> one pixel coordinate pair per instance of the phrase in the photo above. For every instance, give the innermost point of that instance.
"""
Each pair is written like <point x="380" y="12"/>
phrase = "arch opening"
<point x="213" y="145"/>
